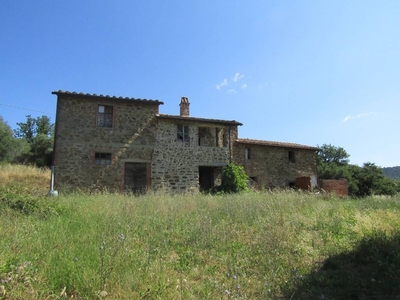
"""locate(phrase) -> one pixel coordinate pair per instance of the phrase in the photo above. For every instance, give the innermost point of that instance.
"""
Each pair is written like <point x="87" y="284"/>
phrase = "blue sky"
<point x="308" y="72"/>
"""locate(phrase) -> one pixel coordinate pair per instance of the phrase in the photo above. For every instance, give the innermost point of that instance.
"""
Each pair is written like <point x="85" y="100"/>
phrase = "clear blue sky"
<point x="308" y="72"/>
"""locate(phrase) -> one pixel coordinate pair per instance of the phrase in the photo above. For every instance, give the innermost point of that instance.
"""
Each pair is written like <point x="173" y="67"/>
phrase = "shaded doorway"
<point x="135" y="177"/>
<point x="206" y="178"/>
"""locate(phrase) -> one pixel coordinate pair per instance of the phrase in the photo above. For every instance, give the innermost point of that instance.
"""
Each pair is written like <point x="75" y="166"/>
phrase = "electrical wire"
<point x="17" y="107"/>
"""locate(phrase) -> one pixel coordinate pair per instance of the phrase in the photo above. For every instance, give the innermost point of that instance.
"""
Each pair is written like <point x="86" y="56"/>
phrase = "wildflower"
<point x="234" y="276"/>
<point x="102" y="245"/>
<point x="103" y="294"/>
<point x="121" y="236"/>
<point x="227" y="292"/>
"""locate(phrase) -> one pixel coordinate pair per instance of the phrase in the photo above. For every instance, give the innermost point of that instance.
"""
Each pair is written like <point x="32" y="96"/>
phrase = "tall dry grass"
<point x="30" y="178"/>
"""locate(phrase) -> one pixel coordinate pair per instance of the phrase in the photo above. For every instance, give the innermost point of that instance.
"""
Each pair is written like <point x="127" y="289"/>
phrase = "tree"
<point x="333" y="163"/>
<point x="371" y="180"/>
<point x="38" y="133"/>
<point x="7" y="141"/>
<point x="33" y="127"/>
<point x="332" y="154"/>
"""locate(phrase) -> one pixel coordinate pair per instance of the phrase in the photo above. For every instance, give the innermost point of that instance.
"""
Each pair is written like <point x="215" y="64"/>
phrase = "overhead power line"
<point x="30" y="109"/>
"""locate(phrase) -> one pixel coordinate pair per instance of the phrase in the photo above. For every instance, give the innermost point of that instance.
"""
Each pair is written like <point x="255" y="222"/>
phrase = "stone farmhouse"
<point x="126" y="144"/>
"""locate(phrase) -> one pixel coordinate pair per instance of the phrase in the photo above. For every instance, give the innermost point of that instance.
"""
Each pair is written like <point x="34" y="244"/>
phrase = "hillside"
<point x="254" y="245"/>
<point x="392" y="172"/>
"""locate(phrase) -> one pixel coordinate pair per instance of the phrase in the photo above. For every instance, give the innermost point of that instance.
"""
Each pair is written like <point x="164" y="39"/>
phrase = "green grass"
<point x="253" y="245"/>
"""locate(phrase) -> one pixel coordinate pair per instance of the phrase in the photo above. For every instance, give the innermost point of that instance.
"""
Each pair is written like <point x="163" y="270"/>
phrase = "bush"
<point x="234" y="179"/>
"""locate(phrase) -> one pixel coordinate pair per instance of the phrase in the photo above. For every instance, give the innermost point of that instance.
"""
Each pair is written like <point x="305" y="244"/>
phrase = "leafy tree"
<point x="7" y="141"/>
<point x="332" y="154"/>
<point x="38" y="133"/>
<point x="333" y="163"/>
<point x="34" y="127"/>
<point x="371" y="180"/>
<point x="388" y="187"/>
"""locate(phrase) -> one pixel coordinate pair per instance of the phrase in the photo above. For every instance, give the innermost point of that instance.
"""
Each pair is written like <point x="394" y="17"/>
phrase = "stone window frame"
<point x="247" y="153"/>
<point x="291" y="156"/>
<point x="102" y="158"/>
<point x="182" y="133"/>
<point x="105" y="116"/>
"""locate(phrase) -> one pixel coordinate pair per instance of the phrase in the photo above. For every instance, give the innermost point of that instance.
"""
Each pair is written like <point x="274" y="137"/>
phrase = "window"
<point x="291" y="157"/>
<point x="183" y="133"/>
<point x="247" y="153"/>
<point x="104" y="116"/>
<point x="102" y="158"/>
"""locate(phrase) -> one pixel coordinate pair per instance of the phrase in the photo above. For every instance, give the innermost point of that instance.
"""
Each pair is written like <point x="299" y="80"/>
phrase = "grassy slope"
<point x="249" y="246"/>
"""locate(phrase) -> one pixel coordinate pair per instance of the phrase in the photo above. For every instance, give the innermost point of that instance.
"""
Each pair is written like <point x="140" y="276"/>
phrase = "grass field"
<point x="255" y="245"/>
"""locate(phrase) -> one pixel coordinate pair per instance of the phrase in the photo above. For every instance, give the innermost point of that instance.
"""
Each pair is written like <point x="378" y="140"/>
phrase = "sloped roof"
<point x="276" y="144"/>
<point x="203" y="120"/>
<point x="108" y="97"/>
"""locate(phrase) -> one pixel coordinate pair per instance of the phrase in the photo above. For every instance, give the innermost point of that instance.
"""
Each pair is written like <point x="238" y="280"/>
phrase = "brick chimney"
<point x="184" y="107"/>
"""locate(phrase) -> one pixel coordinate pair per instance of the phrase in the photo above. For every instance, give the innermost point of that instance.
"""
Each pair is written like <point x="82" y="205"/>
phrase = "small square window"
<point x="105" y="116"/>
<point x="103" y="159"/>
<point x="247" y="153"/>
<point x="182" y="133"/>
<point x="292" y="157"/>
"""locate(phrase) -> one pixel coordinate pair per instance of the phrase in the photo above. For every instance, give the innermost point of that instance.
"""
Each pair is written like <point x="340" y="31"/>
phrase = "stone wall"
<point x="169" y="161"/>
<point x="270" y="166"/>
<point x="131" y="138"/>
<point x="175" y="164"/>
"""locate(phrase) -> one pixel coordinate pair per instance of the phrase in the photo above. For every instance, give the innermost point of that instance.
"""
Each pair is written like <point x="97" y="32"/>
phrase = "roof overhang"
<point x="106" y="97"/>
<point x="200" y="120"/>
<point x="276" y="144"/>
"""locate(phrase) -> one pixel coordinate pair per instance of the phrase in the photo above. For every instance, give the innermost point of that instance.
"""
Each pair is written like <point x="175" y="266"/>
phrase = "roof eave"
<point x="203" y="120"/>
<point x="108" y="97"/>
<point x="277" y="144"/>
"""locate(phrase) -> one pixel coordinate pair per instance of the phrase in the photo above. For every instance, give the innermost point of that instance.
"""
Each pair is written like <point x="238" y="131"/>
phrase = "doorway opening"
<point x="206" y="178"/>
<point x="135" y="177"/>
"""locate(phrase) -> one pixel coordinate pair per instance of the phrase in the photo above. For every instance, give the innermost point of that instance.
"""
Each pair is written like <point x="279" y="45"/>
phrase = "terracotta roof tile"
<point x="60" y="92"/>
<point x="173" y="117"/>
<point x="276" y="144"/>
